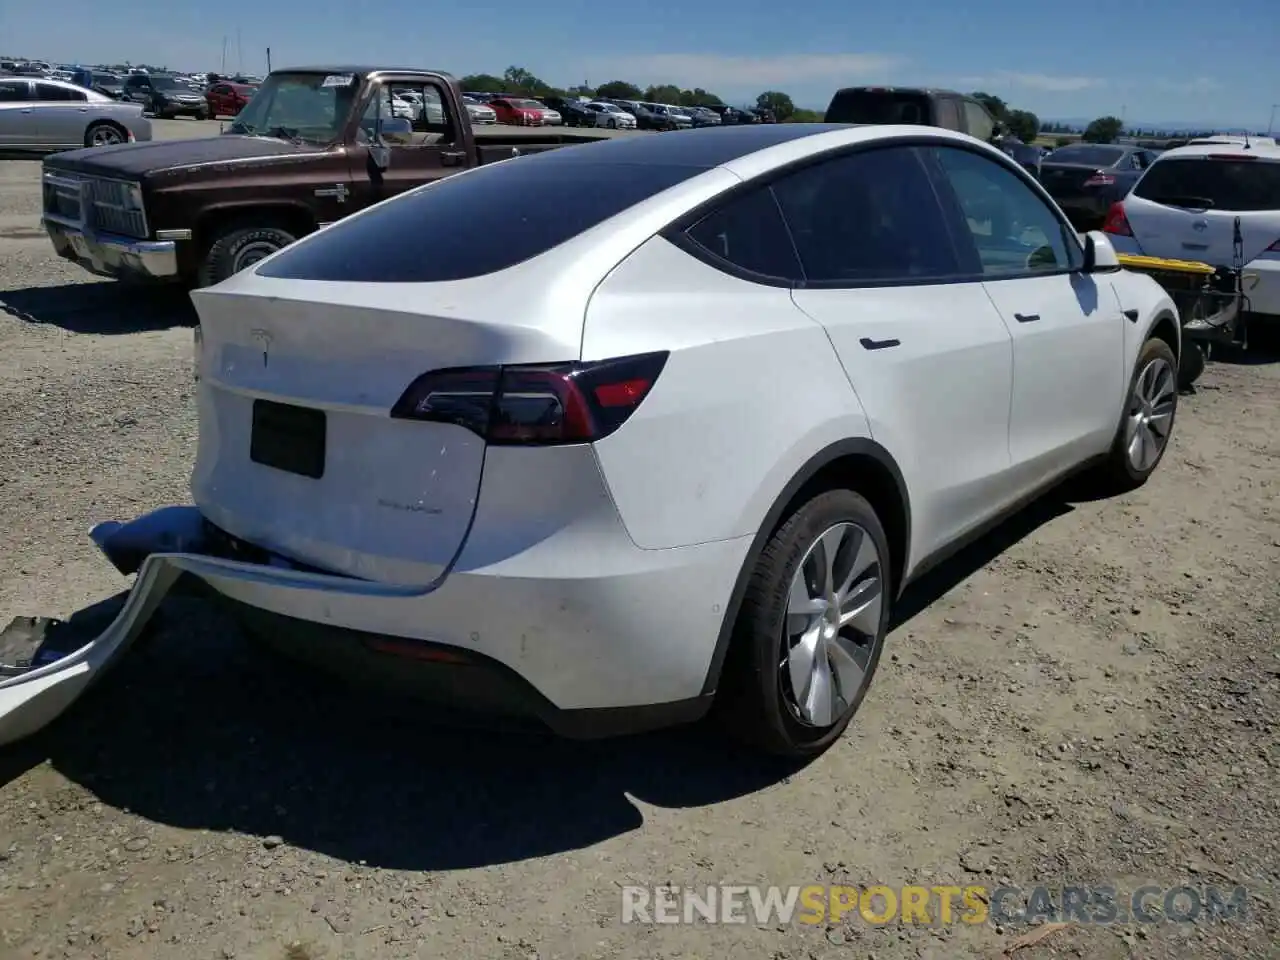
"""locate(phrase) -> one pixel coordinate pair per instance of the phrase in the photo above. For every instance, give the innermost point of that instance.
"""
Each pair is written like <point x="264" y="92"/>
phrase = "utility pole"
<point x="224" y="54"/>
<point x="268" y="59"/>
<point x="239" y="54"/>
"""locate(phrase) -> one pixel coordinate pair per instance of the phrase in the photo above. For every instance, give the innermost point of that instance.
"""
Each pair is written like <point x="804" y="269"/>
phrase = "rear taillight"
<point x="1117" y="223"/>
<point x="1100" y="179"/>
<point x="531" y="404"/>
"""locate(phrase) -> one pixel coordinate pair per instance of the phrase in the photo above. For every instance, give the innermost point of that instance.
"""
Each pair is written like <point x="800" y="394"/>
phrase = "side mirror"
<point x="1099" y="254"/>
<point x="390" y="130"/>
<point x="999" y="131"/>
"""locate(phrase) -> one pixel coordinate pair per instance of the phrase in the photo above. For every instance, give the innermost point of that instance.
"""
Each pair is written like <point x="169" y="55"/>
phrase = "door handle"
<point x="1131" y="315"/>
<point x="451" y="158"/>
<point x="870" y="344"/>
<point x="1026" y="317"/>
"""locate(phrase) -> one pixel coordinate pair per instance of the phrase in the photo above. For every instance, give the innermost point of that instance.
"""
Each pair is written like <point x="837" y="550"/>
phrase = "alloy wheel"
<point x="105" y="136"/>
<point x="1150" y="416"/>
<point x="832" y="625"/>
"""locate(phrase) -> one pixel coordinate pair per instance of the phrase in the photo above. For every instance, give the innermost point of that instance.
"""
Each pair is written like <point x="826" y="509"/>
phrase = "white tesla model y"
<point x="609" y="433"/>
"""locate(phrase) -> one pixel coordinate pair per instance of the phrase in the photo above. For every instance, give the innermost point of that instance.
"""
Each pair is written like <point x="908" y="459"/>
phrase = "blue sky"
<point x="1167" y="61"/>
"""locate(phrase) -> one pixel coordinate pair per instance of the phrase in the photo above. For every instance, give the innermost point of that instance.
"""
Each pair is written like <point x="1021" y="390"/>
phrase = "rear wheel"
<point x="237" y="248"/>
<point x="104" y="134"/>
<point x="808" y="638"/>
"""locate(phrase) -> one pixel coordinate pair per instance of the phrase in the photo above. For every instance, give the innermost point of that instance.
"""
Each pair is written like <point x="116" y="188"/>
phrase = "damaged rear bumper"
<point x="475" y="652"/>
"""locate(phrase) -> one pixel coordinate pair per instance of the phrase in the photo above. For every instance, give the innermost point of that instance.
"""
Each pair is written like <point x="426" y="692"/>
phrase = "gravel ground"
<point x="1089" y="695"/>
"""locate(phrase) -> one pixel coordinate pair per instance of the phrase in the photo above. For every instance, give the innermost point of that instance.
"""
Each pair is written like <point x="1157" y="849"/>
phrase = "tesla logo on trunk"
<point x="264" y="338"/>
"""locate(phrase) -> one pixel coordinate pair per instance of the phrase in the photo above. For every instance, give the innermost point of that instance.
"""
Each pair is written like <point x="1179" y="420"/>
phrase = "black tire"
<point x="96" y="129"/>
<point x="753" y="699"/>
<point x="1191" y="363"/>
<point x="230" y="250"/>
<point x="613" y="124"/>
<point x="1118" y="473"/>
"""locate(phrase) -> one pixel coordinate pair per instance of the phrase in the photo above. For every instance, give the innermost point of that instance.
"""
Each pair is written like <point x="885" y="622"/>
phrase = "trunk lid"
<point x="1186" y="208"/>
<point x="1065" y="179"/>
<point x="388" y="500"/>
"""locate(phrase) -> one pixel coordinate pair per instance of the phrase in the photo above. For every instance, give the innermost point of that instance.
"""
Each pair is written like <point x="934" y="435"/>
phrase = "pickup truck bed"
<point x="496" y="142"/>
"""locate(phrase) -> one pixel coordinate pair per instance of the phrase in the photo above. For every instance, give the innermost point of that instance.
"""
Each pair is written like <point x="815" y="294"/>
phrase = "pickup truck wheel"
<point x="104" y="134"/>
<point x="238" y="248"/>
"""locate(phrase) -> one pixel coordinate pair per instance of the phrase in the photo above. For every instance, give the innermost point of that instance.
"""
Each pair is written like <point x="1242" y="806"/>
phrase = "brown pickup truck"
<point x="313" y="145"/>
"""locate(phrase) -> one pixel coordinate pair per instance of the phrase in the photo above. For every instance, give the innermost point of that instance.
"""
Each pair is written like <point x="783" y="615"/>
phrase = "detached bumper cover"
<point x="563" y="667"/>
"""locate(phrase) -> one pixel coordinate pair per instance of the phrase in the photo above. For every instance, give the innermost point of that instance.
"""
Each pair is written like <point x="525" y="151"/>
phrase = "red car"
<point x="228" y="99"/>
<point x="522" y="113"/>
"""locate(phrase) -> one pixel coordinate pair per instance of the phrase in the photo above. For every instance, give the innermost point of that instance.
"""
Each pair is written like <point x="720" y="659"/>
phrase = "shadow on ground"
<point x="201" y="729"/>
<point x="108" y="307"/>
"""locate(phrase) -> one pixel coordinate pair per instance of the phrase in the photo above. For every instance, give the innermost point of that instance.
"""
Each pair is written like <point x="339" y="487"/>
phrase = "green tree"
<point x="663" y="93"/>
<point x="777" y="103"/>
<point x="699" y="97"/>
<point x="619" y="90"/>
<point x="805" y="116"/>
<point x="520" y="80"/>
<point x="1103" y="130"/>
<point x="1023" y="124"/>
<point x="483" y="83"/>
<point x="995" y="106"/>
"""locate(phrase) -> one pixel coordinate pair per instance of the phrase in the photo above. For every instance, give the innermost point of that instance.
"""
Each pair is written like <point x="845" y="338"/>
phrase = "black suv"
<point x="165" y="97"/>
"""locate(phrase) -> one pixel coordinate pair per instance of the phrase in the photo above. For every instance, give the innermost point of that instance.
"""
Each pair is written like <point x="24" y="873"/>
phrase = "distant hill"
<point x="1168" y="126"/>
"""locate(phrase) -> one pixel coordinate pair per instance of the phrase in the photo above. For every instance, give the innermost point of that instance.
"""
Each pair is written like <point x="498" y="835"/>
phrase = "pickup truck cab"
<point x="313" y="145"/>
<point x="930" y="107"/>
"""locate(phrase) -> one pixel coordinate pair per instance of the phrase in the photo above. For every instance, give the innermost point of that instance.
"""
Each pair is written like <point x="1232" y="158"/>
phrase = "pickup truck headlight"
<point x="133" y="197"/>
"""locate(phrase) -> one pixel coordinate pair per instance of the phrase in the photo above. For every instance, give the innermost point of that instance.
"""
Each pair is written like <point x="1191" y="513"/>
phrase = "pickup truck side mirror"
<point x="388" y="131"/>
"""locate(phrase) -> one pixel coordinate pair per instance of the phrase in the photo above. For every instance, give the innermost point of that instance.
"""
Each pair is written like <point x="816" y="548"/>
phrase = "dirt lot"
<point x="1087" y="696"/>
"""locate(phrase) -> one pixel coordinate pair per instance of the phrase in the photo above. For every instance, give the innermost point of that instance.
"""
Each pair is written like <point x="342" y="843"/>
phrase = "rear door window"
<point x="948" y="114"/>
<point x="52" y="93"/>
<point x="868" y="218"/>
<point x="486" y="220"/>
<point x="1239" y="185"/>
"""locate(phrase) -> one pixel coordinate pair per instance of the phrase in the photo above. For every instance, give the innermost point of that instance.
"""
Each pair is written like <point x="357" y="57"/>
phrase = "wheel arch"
<point x="1165" y="327"/>
<point x="855" y="463"/>
<point x="297" y="218"/>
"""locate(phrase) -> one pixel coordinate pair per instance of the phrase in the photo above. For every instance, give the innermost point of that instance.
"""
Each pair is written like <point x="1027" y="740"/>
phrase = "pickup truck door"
<point x="433" y="150"/>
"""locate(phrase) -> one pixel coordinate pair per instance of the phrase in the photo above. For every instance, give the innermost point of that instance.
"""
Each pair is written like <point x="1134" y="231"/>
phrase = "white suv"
<point x="605" y="434"/>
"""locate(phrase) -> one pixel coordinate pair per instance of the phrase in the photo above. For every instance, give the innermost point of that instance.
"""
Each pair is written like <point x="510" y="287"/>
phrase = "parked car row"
<point x="613" y="113"/>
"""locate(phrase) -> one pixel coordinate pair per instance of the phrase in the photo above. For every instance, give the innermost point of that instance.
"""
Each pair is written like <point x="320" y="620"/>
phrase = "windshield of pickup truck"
<point x="878" y="106"/>
<point x="302" y="106"/>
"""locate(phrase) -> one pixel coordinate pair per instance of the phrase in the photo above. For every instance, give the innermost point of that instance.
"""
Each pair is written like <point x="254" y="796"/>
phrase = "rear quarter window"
<point x="475" y="223"/>
<point x="1228" y="184"/>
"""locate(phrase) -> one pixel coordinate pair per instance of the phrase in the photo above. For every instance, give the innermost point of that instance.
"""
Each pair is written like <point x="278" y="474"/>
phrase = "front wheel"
<point x="613" y="124"/>
<point x="238" y="248"/>
<point x="808" y="638"/>
<point x="1147" y="423"/>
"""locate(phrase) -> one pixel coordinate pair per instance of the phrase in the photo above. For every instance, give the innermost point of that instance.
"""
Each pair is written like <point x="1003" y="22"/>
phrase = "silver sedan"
<point x="39" y="114"/>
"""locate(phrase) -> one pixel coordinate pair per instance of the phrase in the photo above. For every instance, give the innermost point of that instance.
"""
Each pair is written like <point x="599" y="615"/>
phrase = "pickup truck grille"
<point x="109" y="209"/>
<point x="94" y="203"/>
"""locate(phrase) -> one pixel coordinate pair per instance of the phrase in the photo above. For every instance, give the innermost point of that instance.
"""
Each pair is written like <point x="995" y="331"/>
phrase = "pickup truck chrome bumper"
<point x="110" y="254"/>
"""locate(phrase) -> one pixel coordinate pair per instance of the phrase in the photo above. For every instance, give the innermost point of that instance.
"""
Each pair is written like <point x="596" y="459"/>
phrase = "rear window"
<point x="878" y="106"/>
<point x="475" y="223"/>
<point x="1096" y="156"/>
<point x="1227" y="184"/>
